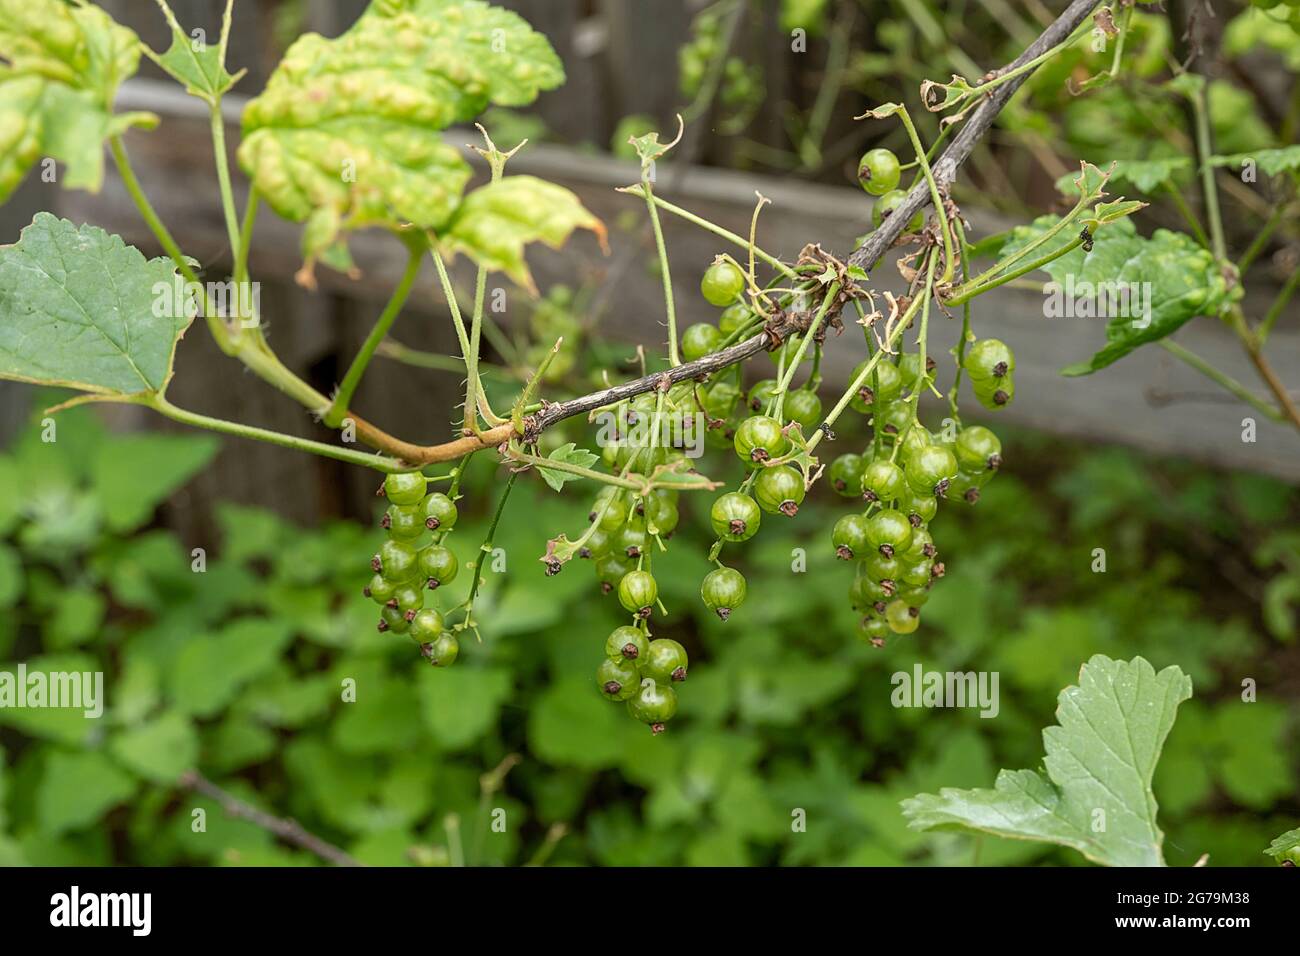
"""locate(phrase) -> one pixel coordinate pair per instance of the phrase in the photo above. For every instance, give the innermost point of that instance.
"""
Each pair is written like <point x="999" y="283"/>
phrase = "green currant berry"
<point x="978" y="449"/>
<point x="626" y="644"/>
<point x="439" y="512"/>
<point x="922" y="509"/>
<point x="632" y="539"/>
<point x="611" y="569"/>
<point x="882" y="480"/>
<point x="723" y="590"/>
<point x="909" y="368"/>
<point x="879" y="171"/>
<point x="380" y="589"/>
<point x="393" y="619"/>
<point x="661" y="515"/>
<point x="988" y="360"/>
<point x="426" y="625"/>
<point x="612" y="513"/>
<point x="884" y="208"/>
<point x="396" y="561"/>
<point x="733" y="317"/>
<point x="760" y="439"/>
<point x="803" y="407"/>
<point x="866" y="592"/>
<point x="403" y="521"/>
<point x="902" y="617"/>
<point x="882" y="385"/>
<point x="874" y="630"/>
<point x="438" y="566"/>
<point x="653" y="704"/>
<point x="889" y="532"/>
<point x="665" y="661"/>
<point x="407" y="598"/>
<point x="779" y="490"/>
<point x="893" y="419"/>
<point x="762" y="393"/>
<point x="916" y="573"/>
<point x="718" y="400"/>
<point x="637" y="593"/>
<point x="914" y="439"/>
<point x="930" y="470"/>
<point x="722" y="283"/>
<point x="849" y="537"/>
<point x="443" y="650"/>
<point x="914" y="596"/>
<point x="922" y="545"/>
<point x="699" y="340"/>
<point x="405" y="489"/>
<point x="995" y="395"/>
<point x="881" y="568"/>
<point x="617" y="679"/>
<point x="846" y="475"/>
<point x="597" y="546"/>
<point x="735" y="516"/>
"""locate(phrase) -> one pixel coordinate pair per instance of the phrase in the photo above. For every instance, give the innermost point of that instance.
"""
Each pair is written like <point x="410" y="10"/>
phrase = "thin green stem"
<point x="1204" y="149"/>
<point x="218" y="127"/>
<point x="246" y="236"/>
<point x="1260" y="242"/>
<point x="965" y="292"/>
<point x="517" y="412"/>
<point x="832" y="291"/>
<point x="161" y="405"/>
<point x="935" y="198"/>
<point x="486" y="547"/>
<point x="703" y="223"/>
<point x="1224" y="380"/>
<point x="343" y="397"/>
<point x="1189" y="216"/>
<point x="1275" y="310"/>
<point x="392" y="349"/>
<point x="662" y="250"/>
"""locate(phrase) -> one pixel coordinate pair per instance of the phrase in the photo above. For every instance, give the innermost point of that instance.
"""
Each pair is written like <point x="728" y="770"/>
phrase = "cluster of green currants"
<point x="879" y="173"/>
<point x="990" y="365"/>
<point x="406" y="565"/>
<point x="740" y="89"/>
<point x="642" y="671"/>
<point x="902" y="476"/>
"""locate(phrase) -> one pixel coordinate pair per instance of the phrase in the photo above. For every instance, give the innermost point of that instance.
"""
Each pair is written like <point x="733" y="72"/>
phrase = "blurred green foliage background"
<point x="239" y="670"/>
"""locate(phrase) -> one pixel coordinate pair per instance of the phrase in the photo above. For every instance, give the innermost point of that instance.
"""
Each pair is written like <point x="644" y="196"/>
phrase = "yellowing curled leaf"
<point x="494" y="223"/>
<point x="60" y="67"/>
<point x="348" y="131"/>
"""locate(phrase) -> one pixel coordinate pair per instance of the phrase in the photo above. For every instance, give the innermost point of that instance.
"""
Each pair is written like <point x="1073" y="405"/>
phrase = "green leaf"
<point x="1148" y="175"/>
<point x="160" y="750"/>
<point x="570" y="454"/>
<point x="64" y="66"/>
<point x="78" y="307"/>
<point x="133" y="474"/>
<point x="200" y="67"/>
<point x="78" y="788"/>
<point x="347" y="131"/>
<point x="211" y="669"/>
<point x="1169" y="278"/>
<point x="11" y="576"/>
<point x="1095" y="796"/>
<point x="1285" y="845"/>
<point x="1271" y="161"/>
<point x="570" y="725"/>
<point x="77" y="618"/>
<point x="494" y="224"/>
<point x="461" y="704"/>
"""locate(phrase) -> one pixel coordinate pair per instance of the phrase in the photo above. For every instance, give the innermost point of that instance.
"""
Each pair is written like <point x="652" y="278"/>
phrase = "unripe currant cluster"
<point x="903" y="475"/>
<point x="741" y="87"/>
<point x="410" y="563"/>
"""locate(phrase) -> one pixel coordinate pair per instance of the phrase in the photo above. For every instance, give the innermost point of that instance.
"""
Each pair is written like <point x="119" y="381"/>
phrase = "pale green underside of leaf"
<point x="1270" y="161"/>
<point x="1180" y="275"/>
<point x="570" y="454"/>
<point x="1284" y="843"/>
<point x="64" y="65"/>
<point x="348" y="130"/>
<point x="494" y="223"/>
<point x="1148" y="175"/>
<point x="1095" y="794"/>
<point x="77" y="309"/>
